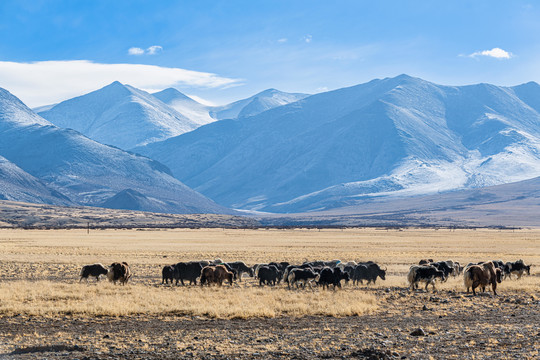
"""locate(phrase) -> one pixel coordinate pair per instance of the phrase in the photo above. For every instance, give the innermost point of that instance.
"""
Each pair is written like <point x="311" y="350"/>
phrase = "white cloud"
<point x="308" y="38"/>
<point x="497" y="53"/>
<point x="282" y="40"/>
<point x="152" y="50"/>
<point x="135" y="51"/>
<point x="47" y="82"/>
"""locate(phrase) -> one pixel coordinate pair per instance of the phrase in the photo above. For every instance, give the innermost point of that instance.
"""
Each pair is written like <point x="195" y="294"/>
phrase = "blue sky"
<point x="53" y="50"/>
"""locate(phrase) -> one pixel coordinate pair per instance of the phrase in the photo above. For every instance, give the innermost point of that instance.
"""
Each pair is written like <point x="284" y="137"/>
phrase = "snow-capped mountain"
<point x="397" y="136"/>
<point x="87" y="172"/>
<point x="119" y="115"/>
<point x="255" y="104"/>
<point x="18" y="185"/>
<point x="193" y="110"/>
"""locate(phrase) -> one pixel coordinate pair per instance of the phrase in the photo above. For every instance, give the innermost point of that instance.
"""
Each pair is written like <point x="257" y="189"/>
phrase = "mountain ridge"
<point x="394" y="135"/>
<point x="119" y="115"/>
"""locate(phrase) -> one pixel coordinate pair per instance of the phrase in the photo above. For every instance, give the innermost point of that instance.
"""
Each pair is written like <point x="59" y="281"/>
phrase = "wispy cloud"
<point x="282" y="40"/>
<point x="46" y="82"/>
<point x="308" y="38"/>
<point x="135" y="51"/>
<point x="152" y="50"/>
<point x="496" y="53"/>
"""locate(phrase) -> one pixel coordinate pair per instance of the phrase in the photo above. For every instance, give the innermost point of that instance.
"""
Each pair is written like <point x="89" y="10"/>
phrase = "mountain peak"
<point x="115" y="86"/>
<point x="120" y="115"/>
<point x="171" y="94"/>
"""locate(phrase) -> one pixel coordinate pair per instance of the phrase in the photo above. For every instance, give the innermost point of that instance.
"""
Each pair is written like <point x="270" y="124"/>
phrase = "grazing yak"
<point x="216" y="274"/>
<point x="221" y="274"/>
<point x="424" y="273"/>
<point x="188" y="271"/>
<point x="368" y="271"/>
<point x="239" y="267"/>
<point x="167" y="274"/>
<point x="207" y="275"/>
<point x="269" y="275"/>
<point x="302" y="276"/>
<point x="119" y="272"/>
<point x="481" y="276"/>
<point x="333" y="277"/>
<point x="517" y="268"/>
<point x="94" y="270"/>
<point x="290" y="268"/>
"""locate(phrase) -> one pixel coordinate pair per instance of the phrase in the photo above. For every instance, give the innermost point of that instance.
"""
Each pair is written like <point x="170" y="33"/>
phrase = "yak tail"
<point x="285" y="277"/>
<point x="468" y="279"/>
<point x="411" y="275"/>
<point x="290" y="278"/>
<point x="110" y="274"/>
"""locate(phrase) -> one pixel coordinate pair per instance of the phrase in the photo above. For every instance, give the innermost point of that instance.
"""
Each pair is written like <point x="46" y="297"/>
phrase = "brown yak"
<point x="119" y="272"/>
<point x="207" y="275"/>
<point x="221" y="274"/>
<point x="482" y="275"/>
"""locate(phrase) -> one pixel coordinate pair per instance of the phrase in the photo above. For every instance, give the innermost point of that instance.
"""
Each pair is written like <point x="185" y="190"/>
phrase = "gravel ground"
<point x="444" y="325"/>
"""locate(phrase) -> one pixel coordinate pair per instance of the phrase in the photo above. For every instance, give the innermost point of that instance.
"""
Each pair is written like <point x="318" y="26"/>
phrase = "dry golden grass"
<point x="53" y="298"/>
<point x="39" y="269"/>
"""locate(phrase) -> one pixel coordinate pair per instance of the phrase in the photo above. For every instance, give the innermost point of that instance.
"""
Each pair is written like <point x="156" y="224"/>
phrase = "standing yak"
<point x="94" y="270"/>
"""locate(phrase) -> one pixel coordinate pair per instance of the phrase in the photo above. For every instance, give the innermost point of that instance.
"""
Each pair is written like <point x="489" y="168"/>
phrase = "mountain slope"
<point x="87" y="172"/>
<point x="512" y="204"/>
<point x="17" y="185"/>
<point x="392" y="137"/>
<point x="255" y="104"/>
<point x="193" y="110"/>
<point x="119" y="115"/>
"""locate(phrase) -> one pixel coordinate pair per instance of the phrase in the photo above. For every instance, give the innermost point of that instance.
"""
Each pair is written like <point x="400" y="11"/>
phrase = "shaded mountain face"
<point x="129" y="199"/>
<point x="18" y="185"/>
<point x="119" y="115"/>
<point x="85" y="171"/>
<point x="256" y="104"/>
<point x="392" y="137"/>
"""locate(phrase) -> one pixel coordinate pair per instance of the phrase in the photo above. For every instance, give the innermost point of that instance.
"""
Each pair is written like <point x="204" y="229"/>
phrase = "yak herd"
<point x="319" y="273"/>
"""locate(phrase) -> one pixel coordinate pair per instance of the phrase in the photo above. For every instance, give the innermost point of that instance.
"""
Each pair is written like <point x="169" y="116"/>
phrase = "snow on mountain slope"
<point x="119" y="115"/>
<point x="193" y="110"/>
<point x="256" y="104"/>
<point x="394" y="137"/>
<point x="87" y="172"/>
<point x="17" y="185"/>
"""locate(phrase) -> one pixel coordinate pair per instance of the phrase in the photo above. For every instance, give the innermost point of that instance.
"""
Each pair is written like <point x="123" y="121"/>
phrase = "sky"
<point x="222" y="51"/>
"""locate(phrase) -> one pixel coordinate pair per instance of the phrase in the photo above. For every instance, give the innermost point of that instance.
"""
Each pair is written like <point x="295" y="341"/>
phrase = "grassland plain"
<point x="45" y="312"/>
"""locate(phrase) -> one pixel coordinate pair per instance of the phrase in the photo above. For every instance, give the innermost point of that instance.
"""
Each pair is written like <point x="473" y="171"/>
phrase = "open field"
<point x="45" y="312"/>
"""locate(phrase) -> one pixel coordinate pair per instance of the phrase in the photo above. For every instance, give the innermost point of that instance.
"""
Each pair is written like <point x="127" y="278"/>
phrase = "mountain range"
<point x="392" y="137"/>
<point x="44" y="163"/>
<point x="374" y="143"/>
<point x="126" y="117"/>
